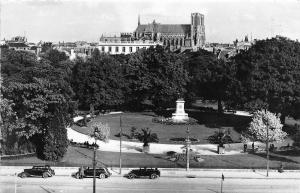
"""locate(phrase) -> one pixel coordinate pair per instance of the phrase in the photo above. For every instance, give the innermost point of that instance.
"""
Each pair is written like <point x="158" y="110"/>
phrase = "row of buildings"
<point x="175" y="37"/>
<point x="20" y="43"/>
<point x="172" y="36"/>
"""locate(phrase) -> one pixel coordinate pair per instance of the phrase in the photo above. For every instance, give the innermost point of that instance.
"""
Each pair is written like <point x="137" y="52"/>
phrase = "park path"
<point x="136" y="147"/>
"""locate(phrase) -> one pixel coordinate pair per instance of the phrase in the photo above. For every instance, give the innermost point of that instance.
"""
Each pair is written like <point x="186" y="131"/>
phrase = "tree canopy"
<point x="156" y="75"/>
<point x="268" y="76"/>
<point x="37" y="93"/>
<point x="209" y="76"/>
<point x="98" y="81"/>
<point x="261" y="121"/>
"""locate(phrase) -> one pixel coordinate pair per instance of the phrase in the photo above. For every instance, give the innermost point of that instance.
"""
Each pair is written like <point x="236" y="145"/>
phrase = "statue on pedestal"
<point x="180" y="115"/>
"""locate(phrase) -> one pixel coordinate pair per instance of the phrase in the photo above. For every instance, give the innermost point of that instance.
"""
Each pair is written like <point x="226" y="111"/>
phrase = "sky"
<point x="74" y="20"/>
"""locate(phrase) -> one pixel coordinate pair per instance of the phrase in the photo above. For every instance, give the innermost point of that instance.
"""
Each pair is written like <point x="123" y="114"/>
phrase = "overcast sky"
<point x="225" y="20"/>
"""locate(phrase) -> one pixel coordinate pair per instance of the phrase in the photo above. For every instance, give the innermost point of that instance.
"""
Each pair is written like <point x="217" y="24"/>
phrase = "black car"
<point x="144" y="172"/>
<point x="43" y="171"/>
<point x="89" y="172"/>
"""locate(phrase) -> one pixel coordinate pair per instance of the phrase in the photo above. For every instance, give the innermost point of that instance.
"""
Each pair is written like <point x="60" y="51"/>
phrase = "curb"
<point x="199" y="177"/>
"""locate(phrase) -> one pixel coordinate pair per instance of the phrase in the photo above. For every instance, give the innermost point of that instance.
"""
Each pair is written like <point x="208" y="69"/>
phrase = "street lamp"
<point x="120" y="156"/>
<point x="94" y="162"/>
<point x="267" y="143"/>
<point x="188" y="142"/>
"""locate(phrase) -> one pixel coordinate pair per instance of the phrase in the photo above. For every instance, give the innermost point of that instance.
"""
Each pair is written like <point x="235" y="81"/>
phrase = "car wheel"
<point x="77" y="176"/>
<point x="101" y="176"/>
<point x="130" y="176"/>
<point x="23" y="175"/>
<point x="153" y="176"/>
<point x="45" y="175"/>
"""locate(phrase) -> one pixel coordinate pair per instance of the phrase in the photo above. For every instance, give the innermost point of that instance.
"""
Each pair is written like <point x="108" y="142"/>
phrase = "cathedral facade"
<point x="174" y="36"/>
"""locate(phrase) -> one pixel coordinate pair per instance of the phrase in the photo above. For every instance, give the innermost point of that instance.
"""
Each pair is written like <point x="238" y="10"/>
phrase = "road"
<point x="67" y="184"/>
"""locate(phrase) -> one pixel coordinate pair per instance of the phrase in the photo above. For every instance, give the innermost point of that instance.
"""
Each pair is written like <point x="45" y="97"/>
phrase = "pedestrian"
<point x="245" y="148"/>
<point x="280" y="169"/>
<point x="81" y="172"/>
<point x="253" y="146"/>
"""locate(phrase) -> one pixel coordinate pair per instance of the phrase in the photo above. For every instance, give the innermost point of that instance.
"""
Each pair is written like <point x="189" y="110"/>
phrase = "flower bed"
<point x="170" y="121"/>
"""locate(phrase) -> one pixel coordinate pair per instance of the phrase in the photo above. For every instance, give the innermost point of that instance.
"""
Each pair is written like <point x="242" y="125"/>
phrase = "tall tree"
<point x="98" y="81"/>
<point x="39" y="94"/>
<point x="209" y="76"/>
<point x="156" y="75"/>
<point x="261" y="121"/>
<point x="268" y="76"/>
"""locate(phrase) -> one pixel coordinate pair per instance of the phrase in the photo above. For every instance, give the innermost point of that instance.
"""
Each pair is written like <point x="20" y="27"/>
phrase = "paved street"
<point x="67" y="184"/>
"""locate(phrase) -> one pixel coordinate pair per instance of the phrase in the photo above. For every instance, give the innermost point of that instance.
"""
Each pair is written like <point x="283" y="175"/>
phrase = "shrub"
<point x="291" y="129"/>
<point x="133" y="133"/>
<point x="55" y="142"/>
<point x="220" y="137"/>
<point x="171" y="153"/>
<point x="147" y="137"/>
<point x="82" y="122"/>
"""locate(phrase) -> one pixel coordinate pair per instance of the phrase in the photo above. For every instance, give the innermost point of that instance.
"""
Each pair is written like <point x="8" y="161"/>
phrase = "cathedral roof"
<point x="164" y="28"/>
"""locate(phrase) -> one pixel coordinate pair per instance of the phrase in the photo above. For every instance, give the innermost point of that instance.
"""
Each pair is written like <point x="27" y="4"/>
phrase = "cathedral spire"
<point x="139" y="20"/>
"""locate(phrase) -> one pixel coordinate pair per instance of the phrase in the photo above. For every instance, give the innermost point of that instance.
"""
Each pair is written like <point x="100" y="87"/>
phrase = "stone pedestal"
<point x="180" y="115"/>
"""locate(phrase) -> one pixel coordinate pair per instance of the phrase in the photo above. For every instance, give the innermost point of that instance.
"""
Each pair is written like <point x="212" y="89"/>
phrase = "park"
<point x="143" y="88"/>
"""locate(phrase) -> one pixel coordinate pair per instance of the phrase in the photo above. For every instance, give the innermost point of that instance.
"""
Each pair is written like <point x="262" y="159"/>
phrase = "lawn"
<point x="81" y="156"/>
<point x="208" y="123"/>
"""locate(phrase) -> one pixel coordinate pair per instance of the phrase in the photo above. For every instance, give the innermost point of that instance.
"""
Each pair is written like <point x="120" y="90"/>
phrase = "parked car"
<point x="89" y="172"/>
<point x="144" y="172"/>
<point x="43" y="171"/>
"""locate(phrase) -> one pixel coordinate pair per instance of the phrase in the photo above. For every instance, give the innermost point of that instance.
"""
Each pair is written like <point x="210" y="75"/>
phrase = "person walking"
<point x="81" y="172"/>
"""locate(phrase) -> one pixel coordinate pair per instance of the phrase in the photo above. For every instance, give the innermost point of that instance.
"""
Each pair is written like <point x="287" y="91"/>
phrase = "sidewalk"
<point x="176" y="173"/>
<point x="217" y="173"/>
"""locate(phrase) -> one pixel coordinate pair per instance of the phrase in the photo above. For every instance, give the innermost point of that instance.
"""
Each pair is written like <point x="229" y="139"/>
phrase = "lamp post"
<point x="120" y="156"/>
<point x="94" y="162"/>
<point x="267" y="150"/>
<point x="188" y="142"/>
<point x="265" y="120"/>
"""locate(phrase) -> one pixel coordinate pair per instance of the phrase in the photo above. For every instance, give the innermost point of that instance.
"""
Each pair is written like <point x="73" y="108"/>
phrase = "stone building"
<point x="123" y="43"/>
<point x="174" y="36"/>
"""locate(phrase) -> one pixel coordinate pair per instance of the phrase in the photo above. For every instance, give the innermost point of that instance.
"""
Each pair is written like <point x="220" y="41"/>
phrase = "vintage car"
<point x="89" y="172"/>
<point x="144" y="172"/>
<point x="43" y="171"/>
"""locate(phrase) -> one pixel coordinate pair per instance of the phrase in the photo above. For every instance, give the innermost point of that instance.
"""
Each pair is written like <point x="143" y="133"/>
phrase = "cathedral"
<point x="174" y="36"/>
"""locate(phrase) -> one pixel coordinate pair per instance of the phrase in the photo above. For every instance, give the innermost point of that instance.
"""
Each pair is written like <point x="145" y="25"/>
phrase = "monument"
<point x="180" y="115"/>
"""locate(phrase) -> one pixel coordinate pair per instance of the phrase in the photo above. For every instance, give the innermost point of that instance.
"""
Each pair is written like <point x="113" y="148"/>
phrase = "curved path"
<point x="136" y="147"/>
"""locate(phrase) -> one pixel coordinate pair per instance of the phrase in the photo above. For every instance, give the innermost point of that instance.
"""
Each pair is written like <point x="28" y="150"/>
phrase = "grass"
<point x="208" y="124"/>
<point x="80" y="156"/>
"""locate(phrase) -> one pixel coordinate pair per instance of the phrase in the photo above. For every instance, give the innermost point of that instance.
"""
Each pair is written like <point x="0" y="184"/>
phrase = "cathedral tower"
<point x="197" y="30"/>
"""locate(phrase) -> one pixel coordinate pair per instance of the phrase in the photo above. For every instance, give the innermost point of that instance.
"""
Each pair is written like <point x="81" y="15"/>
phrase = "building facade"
<point x="174" y="36"/>
<point x="123" y="43"/>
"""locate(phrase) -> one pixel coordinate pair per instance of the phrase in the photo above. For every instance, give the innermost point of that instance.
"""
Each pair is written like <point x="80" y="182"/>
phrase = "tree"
<point x="156" y="75"/>
<point x="267" y="76"/>
<point x="261" y="121"/>
<point x="101" y="132"/>
<point x="54" y="141"/>
<point x="99" y="82"/>
<point x="55" y="56"/>
<point x="146" y="136"/>
<point x="265" y="127"/>
<point x="39" y="94"/>
<point x="209" y="76"/>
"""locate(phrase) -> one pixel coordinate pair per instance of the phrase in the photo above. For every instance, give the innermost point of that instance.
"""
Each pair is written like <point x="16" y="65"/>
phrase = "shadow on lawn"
<point x="133" y="147"/>
<point x="217" y="120"/>
<point x="172" y="163"/>
<point x="292" y="153"/>
<point x="275" y="157"/>
<point x="91" y="157"/>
